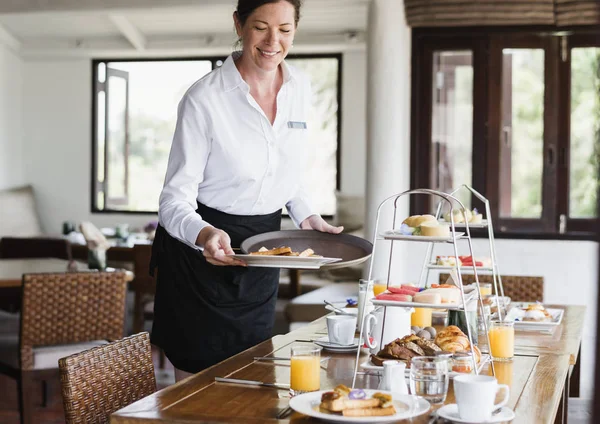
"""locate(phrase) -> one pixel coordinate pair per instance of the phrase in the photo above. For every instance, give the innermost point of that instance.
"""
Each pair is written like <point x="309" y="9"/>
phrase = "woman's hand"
<point x="217" y="245"/>
<point x="315" y="222"/>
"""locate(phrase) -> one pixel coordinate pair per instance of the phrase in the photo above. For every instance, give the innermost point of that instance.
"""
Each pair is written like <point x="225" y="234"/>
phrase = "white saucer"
<point x="450" y="412"/>
<point x="332" y="347"/>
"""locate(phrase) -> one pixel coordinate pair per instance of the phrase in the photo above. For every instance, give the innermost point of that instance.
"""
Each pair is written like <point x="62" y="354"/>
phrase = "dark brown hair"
<point x="246" y="7"/>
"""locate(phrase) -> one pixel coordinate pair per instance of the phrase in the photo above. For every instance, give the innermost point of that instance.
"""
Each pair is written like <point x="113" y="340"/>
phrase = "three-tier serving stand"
<point x="392" y="235"/>
<point x="429" y="262"/>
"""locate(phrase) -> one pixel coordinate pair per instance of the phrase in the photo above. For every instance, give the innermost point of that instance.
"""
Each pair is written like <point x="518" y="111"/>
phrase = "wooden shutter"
<point x="445" y="13"/>
<point x="577" y="12"/>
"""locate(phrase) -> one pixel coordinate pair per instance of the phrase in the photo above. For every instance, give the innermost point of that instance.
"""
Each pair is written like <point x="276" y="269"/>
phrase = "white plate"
<point x="406" y="407"/>
<point x="462" y="268"/>
<point x="450" y="412"/>
<point x="289" y="262"/>
<point x="324" y="343"/>
<point x="482" y="224"/>
<point x="368" y="365"/>
<point x="516" y="312"/>
<point x="395" y="235"/>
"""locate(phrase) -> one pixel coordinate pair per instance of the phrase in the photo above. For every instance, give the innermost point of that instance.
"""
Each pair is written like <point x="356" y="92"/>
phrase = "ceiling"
<point x="74" y="28"/>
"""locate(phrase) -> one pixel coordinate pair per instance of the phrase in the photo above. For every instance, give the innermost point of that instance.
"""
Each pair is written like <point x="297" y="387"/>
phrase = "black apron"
<point x="205" y="313"/>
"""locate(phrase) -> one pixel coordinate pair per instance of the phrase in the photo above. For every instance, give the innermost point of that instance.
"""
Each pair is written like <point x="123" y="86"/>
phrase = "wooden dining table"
<point x="536" y="376"/>
<point x="12" y="270"/>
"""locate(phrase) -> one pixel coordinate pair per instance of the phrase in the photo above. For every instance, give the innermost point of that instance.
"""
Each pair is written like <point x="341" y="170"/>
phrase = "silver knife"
<point x="252" y="383"/>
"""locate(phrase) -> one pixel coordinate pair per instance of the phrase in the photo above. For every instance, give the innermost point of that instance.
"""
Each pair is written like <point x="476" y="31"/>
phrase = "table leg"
<point x="574" y="384"/>
<point x="295" y="289"/>
<point x="562" y="415"/>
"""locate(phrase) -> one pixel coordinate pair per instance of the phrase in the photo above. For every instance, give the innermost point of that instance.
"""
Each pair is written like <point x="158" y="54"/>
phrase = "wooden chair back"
<point x="64" y="308"/>
<point x="518" y="288"/>
<point x="99" y="381"/>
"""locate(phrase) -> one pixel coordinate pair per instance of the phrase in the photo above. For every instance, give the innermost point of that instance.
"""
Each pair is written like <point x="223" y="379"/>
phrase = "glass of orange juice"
<point x="485" y="289"/>
<point x="379" y="288"/>
<point x="502" y="340"/>
<point x="305" y="372"/>
<point x="421" y="317"/>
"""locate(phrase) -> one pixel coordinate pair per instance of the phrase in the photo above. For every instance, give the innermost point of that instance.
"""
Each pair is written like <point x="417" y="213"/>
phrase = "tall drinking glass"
<point x="305" y="372"/>
<point x="502" y="340"/>
<point x="429" y="378"/>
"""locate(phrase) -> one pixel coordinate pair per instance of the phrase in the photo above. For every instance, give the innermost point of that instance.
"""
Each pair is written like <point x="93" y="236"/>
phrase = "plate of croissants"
<point x="448" y="343"/>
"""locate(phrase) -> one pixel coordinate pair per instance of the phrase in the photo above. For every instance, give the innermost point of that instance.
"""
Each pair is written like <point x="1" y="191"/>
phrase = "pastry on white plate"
<point x="459" y="216"/>
<point x="434" y="229"/>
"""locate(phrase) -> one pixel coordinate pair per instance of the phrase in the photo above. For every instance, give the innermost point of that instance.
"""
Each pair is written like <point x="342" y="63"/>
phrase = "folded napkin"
<point x="94" y="238"/>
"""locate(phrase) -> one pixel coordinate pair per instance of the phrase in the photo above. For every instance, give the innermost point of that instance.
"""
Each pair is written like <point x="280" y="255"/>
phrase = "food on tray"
<point x="450" y="294"/>
<point x="438" y="294"/>
<point x="416" y="220"/>
<point x="458" y="215"/>
<point x="354" y="403"/>
<point x="452" y="339"/>
<point x="468" y="261"/>
<point x="447" y="261"/>
<point x="285" y="251"/>
<point x="427" y="297"/>
<point x="537" y="313"/>
<point x="405" y="349"/>
<point x="434" y="229"/>
<point x="473" y="217"/>
<point x="394" y="296"/>
<point x="427" y="333"/>
<point x="401" y="290"/>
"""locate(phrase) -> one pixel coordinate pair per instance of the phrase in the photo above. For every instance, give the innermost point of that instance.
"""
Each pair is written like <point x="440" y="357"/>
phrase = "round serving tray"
<point x="353" y="250"/>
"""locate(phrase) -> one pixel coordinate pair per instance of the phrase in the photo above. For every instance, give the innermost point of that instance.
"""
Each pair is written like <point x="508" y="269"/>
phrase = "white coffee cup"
<point x="475" y="396"/>
<point x="341" y="328"/>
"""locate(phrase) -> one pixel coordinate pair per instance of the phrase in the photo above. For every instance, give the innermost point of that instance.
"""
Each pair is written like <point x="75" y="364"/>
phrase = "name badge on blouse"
<point x="297" y="125"/>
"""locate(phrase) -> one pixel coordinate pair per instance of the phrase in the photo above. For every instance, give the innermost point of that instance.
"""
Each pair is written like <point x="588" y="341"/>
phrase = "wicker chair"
<point x="61" y="314"/>
<point x="97" y="382"/>
<point x="35" y="247"/>
<point x="518" y="288"/>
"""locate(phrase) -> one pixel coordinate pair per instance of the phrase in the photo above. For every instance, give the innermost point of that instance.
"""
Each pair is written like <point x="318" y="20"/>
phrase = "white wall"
<point x="11" y="131"/>
<point x="57" y="106"/>
<point x="354" y="128"/>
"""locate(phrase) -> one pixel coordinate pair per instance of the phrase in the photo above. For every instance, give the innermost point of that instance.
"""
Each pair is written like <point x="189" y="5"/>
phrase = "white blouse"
<point x="227" y="155"/>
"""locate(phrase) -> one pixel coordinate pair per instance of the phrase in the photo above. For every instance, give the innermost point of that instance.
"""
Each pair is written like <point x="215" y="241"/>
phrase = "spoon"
<point x="336" y="309"/>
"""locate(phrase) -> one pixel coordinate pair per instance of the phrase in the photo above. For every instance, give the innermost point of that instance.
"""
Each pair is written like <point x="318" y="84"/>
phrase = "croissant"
<point x="452" y="339"/>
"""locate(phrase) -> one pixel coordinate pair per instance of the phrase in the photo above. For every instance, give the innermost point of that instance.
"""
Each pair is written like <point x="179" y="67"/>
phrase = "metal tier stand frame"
<point x="450" y="199"/>
<point x="496" y="277"/>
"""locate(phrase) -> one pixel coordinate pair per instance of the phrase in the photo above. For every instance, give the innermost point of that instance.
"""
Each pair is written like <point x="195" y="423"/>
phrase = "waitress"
<point x="238" y="156"/>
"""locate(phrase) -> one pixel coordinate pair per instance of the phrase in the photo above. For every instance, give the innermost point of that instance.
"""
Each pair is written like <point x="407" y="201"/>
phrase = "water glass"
<point x="429" y="378"/>
<point x="305" y="368"/>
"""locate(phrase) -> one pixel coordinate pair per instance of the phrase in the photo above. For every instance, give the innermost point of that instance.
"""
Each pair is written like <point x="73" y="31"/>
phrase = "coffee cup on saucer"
<point x="340" y="329"/>
<point x="475" y="395"/>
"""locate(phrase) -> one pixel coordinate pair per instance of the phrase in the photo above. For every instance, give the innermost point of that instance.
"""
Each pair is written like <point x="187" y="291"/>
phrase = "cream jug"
<point x="397" y="325"/>
<point x="394" y="377"/>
